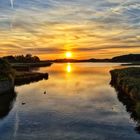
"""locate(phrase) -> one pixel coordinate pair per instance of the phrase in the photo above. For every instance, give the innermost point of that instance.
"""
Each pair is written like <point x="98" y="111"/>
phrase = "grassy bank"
<point x="7" y="75"/>
<point x="127" y="80"/>
<point x="28" y="77"/>
<point x="29" y="66"/>
<point x="127" y="84"/>
<point x="10" y="76"/>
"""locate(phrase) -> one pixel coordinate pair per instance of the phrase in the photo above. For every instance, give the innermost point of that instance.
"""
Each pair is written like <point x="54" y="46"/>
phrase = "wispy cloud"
<point x="55" y="26"/>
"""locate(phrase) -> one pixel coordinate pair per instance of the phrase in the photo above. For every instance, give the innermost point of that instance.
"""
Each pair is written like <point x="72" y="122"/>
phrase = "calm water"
<point x="79" y="104"/>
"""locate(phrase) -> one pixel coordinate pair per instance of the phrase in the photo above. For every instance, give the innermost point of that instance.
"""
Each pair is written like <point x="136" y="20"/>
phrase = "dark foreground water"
<point x="79" y="104"/>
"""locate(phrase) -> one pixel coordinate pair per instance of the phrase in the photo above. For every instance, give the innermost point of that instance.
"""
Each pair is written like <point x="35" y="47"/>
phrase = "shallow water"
<point x="79" y="104"/>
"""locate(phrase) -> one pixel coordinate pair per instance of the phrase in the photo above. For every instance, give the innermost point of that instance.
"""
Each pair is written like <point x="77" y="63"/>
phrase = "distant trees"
<point x="127" y="58"/>
<point x="28" y="58"/>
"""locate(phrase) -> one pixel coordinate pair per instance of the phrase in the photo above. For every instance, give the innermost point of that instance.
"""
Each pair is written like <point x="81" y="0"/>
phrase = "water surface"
<point x="79" y="104"/>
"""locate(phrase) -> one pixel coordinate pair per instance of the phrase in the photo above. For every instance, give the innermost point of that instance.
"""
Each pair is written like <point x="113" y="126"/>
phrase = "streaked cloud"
<point x="49" y="27"/>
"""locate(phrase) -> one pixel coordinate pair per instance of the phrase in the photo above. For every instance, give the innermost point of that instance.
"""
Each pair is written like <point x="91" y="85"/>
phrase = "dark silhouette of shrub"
<point x="28" y="58"/>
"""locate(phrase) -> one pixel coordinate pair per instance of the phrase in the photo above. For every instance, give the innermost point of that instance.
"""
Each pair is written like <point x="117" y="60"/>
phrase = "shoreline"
<point x="19" y="74"/>
<point x="127" y="85"/>
<point x="29" y="66"/>
<point x="22" y="78"/>
<point x="127" y="80"/>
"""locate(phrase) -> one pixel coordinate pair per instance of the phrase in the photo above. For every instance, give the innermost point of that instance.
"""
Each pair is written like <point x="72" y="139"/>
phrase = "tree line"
<point x="28" y="58"/>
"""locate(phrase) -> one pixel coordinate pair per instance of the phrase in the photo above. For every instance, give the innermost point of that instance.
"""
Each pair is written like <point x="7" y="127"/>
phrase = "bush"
<point x="6" y="70"/>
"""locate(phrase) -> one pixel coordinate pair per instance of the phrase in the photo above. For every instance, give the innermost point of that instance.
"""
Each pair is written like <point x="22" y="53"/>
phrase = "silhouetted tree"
<point x="28" y="58"/>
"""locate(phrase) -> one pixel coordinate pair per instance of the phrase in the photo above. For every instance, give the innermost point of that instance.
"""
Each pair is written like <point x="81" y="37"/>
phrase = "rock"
<point x="23" y="103"/>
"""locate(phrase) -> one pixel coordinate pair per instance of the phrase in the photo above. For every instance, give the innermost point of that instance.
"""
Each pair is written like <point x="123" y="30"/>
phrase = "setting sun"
<point x="68" y="54"/>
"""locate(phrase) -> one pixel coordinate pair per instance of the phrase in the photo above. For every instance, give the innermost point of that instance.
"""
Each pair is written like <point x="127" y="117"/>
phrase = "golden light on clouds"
<point x="49" y="28"/>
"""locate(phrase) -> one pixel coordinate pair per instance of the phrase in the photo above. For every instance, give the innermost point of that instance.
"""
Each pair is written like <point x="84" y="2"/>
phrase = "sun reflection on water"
<point x="68" y="68"/>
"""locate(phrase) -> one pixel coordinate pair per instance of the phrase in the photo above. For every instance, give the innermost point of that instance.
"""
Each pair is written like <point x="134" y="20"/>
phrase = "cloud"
<point x="54" y="26"/>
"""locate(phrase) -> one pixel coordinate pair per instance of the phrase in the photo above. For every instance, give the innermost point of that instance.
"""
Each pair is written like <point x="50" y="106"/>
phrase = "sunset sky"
<point x="87" y="28"/>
